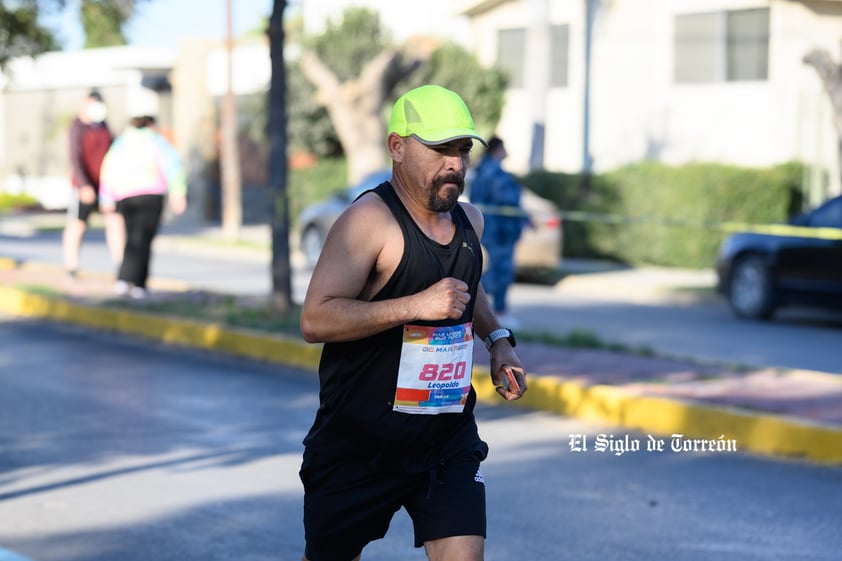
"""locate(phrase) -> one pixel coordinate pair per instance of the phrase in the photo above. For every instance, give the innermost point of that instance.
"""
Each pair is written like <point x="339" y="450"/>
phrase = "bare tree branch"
<point x="355" y="106"/>
<point x="830" y="74"/>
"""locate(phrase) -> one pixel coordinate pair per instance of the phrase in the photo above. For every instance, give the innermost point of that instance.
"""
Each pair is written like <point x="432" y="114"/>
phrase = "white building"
<point x="674" y="81"/>
<point x="670" y="80"/>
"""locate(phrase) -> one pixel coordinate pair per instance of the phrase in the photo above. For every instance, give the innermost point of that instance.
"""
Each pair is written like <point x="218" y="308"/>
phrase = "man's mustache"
<point x="453" y="178"/>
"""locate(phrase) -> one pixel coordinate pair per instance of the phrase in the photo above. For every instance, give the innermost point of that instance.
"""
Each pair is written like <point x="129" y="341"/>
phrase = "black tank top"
<point x="358" y="378"/>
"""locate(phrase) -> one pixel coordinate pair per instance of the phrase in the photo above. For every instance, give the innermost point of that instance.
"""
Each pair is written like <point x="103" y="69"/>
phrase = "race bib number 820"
<point x="435" y="369"/>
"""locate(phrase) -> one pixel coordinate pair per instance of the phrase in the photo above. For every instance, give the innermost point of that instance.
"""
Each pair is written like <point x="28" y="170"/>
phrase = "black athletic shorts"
<point x="347" y="504"/>
<point x="77" y="210"/>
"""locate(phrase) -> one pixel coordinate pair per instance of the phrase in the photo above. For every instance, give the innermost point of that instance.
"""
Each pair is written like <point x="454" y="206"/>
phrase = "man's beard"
<point x="446" y="201"/>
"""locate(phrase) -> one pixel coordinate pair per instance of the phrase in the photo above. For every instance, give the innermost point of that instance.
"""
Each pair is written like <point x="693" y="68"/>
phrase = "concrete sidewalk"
<point x="783" y="413"/>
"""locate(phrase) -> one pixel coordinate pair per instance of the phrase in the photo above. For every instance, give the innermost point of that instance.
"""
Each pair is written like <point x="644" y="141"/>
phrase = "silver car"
<point x="538" y="248"/>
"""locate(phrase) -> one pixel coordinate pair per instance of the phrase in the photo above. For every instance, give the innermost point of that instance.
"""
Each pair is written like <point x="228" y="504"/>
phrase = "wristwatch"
<point x="498" y="334"/>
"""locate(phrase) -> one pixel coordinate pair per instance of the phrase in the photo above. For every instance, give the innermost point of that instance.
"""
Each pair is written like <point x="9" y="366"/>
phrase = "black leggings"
<point x="142" y="215"/>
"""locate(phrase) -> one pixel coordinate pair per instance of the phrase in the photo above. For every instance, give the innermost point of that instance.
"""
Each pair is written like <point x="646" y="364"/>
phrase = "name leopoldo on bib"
<point x="435" y="369"/>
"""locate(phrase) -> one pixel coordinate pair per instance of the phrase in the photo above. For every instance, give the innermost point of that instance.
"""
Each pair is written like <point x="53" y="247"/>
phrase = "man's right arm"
<point x="359" y="252"/>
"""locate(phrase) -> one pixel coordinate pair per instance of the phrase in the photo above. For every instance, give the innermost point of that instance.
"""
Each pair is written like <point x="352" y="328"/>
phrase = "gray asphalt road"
<point x="113" y="448"/>
<point x="614" y="312"/>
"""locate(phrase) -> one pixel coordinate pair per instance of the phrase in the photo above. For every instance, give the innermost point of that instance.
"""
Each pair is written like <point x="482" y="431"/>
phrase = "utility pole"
<point x="276" y="132"/>
<point x="537" y="78"/>
<point x="587" y="161"/>
<point x="232" y="212"/>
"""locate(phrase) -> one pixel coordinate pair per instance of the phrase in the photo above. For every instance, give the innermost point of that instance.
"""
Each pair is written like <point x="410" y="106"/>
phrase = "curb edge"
<point x="760" y="433"/>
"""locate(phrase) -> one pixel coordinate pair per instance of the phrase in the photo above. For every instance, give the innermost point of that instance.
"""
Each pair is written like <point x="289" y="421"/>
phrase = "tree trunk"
<point x="277" y="136"/>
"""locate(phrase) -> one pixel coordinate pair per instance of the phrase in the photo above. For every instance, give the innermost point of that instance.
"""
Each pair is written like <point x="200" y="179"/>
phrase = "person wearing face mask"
<point x="90" y="139"/>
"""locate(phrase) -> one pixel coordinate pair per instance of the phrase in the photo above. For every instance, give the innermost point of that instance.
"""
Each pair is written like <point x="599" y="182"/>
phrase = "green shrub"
<point x="9" y="202"/>
<point x="575" y="193"/>
<point x="679" y="211"/>
<point x="657" y="214"/>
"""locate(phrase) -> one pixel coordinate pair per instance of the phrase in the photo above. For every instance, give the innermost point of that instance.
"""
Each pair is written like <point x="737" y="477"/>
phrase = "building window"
<point x="559" y="53"/>
<point x="511" y="55"/>
<point x="731" y="46"/>
<point x="748" y="45"/>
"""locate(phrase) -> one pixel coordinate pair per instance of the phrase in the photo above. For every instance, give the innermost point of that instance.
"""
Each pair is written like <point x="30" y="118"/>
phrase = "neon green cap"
<point x="433" y="115"/>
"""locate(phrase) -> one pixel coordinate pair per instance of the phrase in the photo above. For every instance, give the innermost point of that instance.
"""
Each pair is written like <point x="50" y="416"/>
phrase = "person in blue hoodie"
<point x="497" y="193"/>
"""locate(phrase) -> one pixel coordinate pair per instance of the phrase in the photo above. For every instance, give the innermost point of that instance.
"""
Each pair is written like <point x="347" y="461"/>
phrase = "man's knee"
<point x="456" y="548"/>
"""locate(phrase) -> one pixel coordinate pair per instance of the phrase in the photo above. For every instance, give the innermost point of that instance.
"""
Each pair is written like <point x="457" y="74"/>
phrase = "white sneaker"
<point x="137" y="293"/>
<point x="121" y="287"/>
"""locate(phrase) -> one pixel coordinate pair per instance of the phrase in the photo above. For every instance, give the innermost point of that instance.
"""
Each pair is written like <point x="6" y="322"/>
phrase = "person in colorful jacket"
<point x="140" y="170"/>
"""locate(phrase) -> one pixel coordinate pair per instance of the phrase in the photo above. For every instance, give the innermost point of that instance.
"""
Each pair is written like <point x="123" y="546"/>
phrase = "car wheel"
<point x="750" y="291"/>
<point x="311" y="245"/>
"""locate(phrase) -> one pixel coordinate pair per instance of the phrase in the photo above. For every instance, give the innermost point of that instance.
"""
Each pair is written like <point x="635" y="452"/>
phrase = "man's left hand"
<point x="506" y="365"/>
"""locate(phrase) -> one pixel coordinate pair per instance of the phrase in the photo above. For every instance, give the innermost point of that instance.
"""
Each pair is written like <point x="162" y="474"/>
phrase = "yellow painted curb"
<point x="178" y="331"/>
<point x="766" y="434"/>
<point x="761" y="433"/>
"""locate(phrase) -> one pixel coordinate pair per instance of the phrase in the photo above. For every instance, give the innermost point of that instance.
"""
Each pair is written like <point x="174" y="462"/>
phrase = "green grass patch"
<point x="582" y="339"/>
<point x="9" y="202"/>
<point x="242" y="312"/>
<point x="40" y="290"/>
<point x="224" y="309"/>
